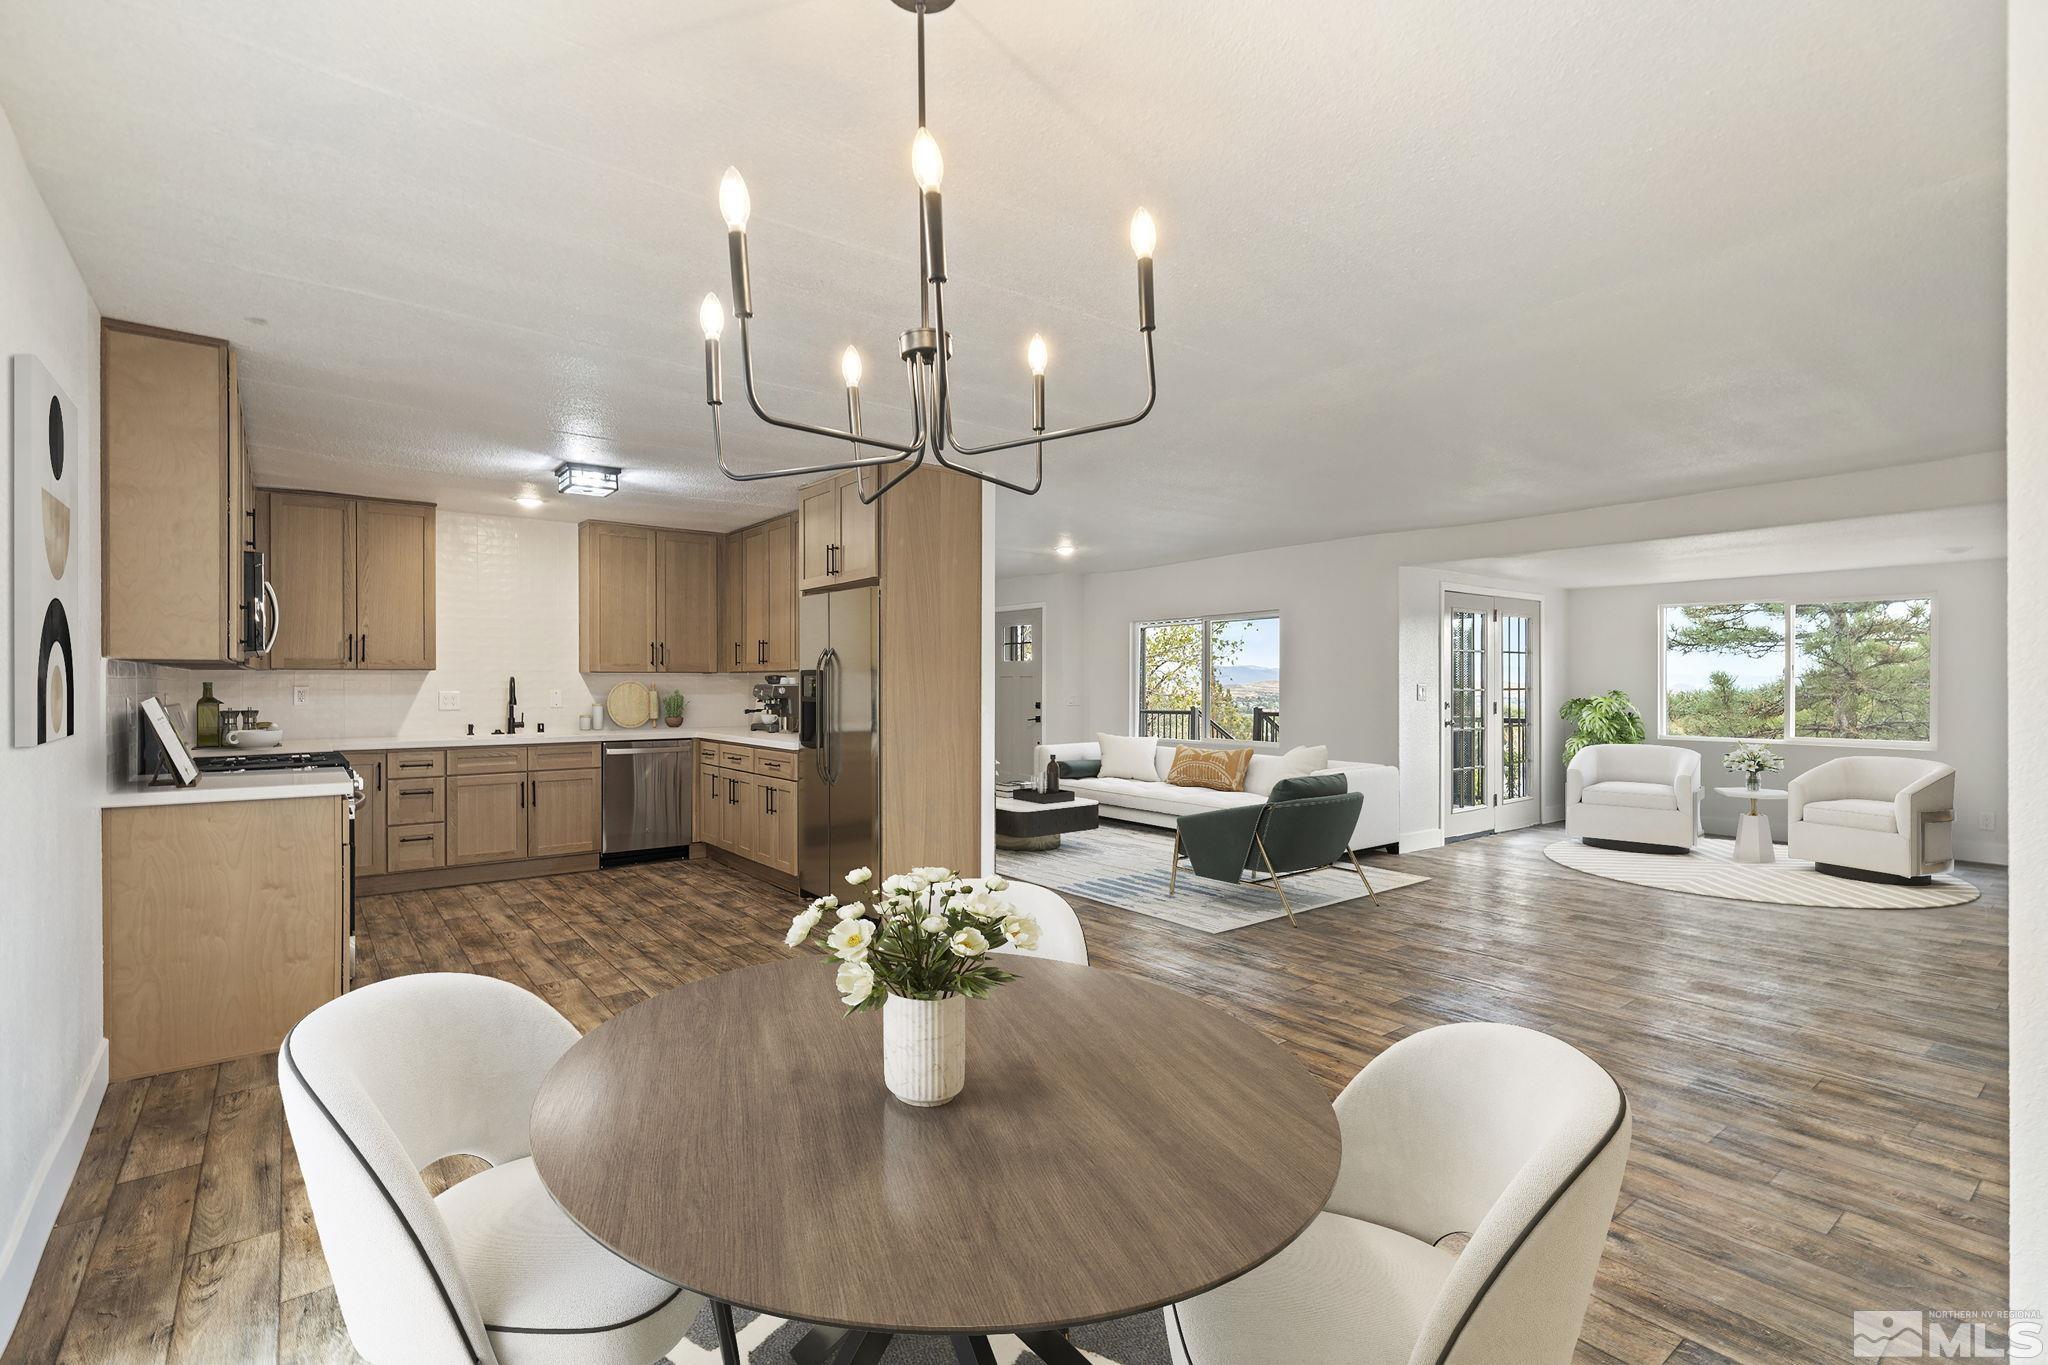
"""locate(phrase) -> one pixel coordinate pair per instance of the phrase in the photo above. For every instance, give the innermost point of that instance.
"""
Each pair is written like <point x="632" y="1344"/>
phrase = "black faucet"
<point x="513" y="723"/>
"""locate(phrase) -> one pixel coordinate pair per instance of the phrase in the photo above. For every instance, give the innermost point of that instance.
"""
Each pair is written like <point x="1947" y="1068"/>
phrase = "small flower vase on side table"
<point x="1754" y="782"/>
<point x="924" y="1049"/>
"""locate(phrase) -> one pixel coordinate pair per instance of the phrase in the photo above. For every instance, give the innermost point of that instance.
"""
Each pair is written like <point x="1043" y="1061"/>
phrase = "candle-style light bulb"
<point x="711" y="317"/>
<point x="733" y="200"/>
<point x="925" y="162"/>
<point x="849" y="367"/>
<point x="1144" y="235"/>
<point x="1034" y="355"/>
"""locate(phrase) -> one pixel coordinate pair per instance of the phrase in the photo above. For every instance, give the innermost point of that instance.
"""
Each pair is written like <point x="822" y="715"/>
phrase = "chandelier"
<point x="926" y="348"/>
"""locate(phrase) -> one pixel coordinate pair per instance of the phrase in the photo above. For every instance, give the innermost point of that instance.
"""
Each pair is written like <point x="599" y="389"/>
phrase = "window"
<point x="1857" y="672"/>
<point x="1210" y="677"/>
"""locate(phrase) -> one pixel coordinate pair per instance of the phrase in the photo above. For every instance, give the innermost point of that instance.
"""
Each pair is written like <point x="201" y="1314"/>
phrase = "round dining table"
<point x="1119" y="1146"/>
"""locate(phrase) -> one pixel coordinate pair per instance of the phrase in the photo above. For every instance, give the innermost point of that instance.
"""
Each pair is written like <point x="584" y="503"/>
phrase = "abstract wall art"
<point x="48" y="525"/>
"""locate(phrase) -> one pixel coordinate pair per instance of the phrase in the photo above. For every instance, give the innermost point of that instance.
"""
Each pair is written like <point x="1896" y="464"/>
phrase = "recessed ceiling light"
<point x="530" y="501"/>
<point x="1065" y="549"/>
<point x="586" y="480"/>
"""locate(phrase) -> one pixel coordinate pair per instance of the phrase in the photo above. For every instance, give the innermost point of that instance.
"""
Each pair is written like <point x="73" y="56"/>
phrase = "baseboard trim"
<point x="1418" y="840"/>
<point x="38" y="1216"/>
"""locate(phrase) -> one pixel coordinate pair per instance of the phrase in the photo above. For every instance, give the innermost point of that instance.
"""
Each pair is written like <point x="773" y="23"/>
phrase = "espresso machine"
<point x="776" y="704"/>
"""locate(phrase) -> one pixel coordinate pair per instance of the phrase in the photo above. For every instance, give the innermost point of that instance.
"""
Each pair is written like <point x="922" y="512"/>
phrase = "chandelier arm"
<point x="860" y="483"/>
<point x="899" y="451"/>
<point x="799" y="471"/>
<point x="1037" y="482"/>
<point x="1151" y="397"/>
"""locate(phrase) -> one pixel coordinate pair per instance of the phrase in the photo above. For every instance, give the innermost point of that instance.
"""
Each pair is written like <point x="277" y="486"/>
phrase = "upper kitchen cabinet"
<point x="354" y="579"/>
<point x="841" y="535"/>
<point x="760" y="610"/>
<point x="648" y="599"/>
<point x="178" y="583"/>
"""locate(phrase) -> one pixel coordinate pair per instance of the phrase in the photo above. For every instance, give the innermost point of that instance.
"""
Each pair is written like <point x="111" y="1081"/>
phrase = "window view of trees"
<point x="1210" y="678"/>
<point x="1853" y="670"/>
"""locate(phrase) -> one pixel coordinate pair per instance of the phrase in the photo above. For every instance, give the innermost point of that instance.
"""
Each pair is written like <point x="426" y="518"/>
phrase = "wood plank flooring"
<point x="1819" y="1096"/>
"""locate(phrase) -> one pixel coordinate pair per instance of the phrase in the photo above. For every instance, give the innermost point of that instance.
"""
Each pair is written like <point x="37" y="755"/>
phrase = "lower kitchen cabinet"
<point x="486" y="818"/>
<point x="774" y="818"/>
<point x="224" y="924"/>
<point x="743" y="811"/>
<point x="562" y="813"/>
<point x="416" y="848"/>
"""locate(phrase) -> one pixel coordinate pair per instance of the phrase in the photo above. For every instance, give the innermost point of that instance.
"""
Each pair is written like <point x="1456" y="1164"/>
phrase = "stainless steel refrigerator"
<point x="839" y="724"/>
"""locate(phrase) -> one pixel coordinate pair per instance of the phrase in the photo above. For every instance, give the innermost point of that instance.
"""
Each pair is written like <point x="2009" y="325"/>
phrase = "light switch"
<point x="1421" y="692"/>
<point x="451" y="700"/>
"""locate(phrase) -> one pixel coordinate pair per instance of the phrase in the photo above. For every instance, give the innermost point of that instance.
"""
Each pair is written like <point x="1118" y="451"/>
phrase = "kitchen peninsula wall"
<point x="506" y="602"/>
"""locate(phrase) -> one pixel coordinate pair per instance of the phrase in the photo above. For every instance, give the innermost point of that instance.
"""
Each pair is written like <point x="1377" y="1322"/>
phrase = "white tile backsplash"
<point x="505" y="600"/>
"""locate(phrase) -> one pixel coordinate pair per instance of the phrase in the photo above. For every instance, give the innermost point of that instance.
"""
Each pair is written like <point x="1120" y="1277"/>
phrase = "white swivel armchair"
<point x="1636" y="796"/>
<point x="1873" y="817"/>
<point x="384" y="1082"/>
<point x="1506" y="1134"/>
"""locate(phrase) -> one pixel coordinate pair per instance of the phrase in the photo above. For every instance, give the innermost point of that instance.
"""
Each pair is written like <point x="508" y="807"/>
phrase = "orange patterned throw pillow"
<point x="1220" y="770"/>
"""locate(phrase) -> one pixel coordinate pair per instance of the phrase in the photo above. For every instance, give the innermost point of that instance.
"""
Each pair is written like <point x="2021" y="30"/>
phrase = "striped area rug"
<point x="1711" y="870"/>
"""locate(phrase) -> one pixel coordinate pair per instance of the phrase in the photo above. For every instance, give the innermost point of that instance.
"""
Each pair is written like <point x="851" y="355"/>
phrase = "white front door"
<point x="1020" y="697"/>
<point x="1490" y="709"/>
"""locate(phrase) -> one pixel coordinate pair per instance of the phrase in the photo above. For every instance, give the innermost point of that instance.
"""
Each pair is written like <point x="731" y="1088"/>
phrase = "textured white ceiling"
<point x="1421" y="262"/>
<point x="1936" y="536"/>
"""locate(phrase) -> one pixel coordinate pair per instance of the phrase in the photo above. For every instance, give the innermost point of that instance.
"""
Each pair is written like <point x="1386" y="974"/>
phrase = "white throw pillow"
<point x="1304" y="760"/>
<point x="1129" y="756"/>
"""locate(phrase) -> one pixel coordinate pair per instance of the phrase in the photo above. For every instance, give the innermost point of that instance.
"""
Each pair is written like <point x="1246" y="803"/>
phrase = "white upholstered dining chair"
<point x="1499" y="1132"/>
<point x="1059" y="928"/>
<point x="391" y="1078"/>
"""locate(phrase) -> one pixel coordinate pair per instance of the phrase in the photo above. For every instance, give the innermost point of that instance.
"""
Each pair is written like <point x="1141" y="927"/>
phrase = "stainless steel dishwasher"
<point x="647" y="791"/>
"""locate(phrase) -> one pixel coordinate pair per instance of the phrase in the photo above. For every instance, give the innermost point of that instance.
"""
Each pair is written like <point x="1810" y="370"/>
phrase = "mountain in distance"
<point x="1246" y="675"/>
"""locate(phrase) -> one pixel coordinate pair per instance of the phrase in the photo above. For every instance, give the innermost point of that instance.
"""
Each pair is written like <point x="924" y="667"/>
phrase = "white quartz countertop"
<point x="214" y="787"/>
<point x="610" y="734"/>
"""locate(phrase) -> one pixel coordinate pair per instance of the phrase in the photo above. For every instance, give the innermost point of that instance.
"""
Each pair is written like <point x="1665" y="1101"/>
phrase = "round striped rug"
<point x="1711" y="870"/>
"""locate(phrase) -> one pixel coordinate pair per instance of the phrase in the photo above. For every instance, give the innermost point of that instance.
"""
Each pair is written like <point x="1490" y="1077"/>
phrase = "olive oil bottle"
<point x="207" y="718"/>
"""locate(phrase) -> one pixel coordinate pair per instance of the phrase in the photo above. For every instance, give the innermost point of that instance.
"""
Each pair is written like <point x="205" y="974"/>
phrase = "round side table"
<point x="1753" y="829"/>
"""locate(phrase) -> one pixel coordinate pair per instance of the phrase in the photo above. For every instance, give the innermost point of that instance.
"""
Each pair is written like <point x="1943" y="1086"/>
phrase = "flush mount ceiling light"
<point x="1065" y="549"/>
<point x="586" y="480"/>
<point x="925" y="348"/>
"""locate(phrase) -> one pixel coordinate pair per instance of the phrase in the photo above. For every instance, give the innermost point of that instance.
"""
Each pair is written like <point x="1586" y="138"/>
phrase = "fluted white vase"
<point x="924" y="1049"/>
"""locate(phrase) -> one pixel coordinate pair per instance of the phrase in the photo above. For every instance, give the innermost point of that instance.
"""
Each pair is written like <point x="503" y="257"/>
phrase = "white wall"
<point x="1614" y="642"/>
<point x="1349" y="629"/>
<point x="505" y="601"/>
<point x="52" y="1056"/>
<point x="2027" y="639"/>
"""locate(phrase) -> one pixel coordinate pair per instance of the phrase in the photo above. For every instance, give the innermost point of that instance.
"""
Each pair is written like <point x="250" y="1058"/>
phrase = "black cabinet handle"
<point x="522" y="796"/>
<point x="416" y="839"/>
<point x="761" y="651"/>
<point x="415" y="791"/>
<point x="363" y="650"/>
<point x="380" y="774"/>
<point x="351" y="648"/>
<point x="735" y="653"/>
<point x="536" y="793"/>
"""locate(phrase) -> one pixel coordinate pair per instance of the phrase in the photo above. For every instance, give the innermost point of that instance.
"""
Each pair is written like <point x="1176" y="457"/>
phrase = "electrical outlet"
<point x="554" y="696"/>
<point x="451" y="700"/>
<point x="301" y="694"/>
<point x="1987" y="820"/>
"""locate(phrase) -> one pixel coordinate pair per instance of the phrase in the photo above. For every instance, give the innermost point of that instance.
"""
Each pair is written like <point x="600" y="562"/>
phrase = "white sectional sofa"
<point x="1160" y="803"/>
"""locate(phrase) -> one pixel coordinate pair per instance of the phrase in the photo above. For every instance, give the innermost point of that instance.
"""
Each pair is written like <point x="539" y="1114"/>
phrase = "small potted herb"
<point x="672" y="708"/>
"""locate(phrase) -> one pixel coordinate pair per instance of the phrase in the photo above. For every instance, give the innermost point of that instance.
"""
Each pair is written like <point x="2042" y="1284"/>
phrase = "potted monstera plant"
<point x="1610" y="718"/>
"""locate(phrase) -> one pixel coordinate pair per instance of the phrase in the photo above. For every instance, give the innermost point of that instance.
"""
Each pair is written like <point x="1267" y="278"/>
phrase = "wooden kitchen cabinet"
<point x="368" y="835"/>
<point x="312" y="569"/>
<point x="394" y="577"/>
<point x="765" y="605"/>
<point x="648" y="599"/>
<point x="773" y="836"/>
<point x="354" y="579"/>
<point x="840" y="535"/>
<point x="562" y="812"/>
<point x="486" y="821"/>
<point x="686" y="601"/>
<point x="174" y="500"/>
<point x="224" y="924"/>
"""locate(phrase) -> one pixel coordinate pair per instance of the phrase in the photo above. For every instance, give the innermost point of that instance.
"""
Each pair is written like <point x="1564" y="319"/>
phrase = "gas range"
<point x="274" y="761"/>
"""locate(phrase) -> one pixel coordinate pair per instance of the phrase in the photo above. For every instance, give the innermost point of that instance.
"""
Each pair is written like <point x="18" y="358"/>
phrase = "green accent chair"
<point x="1304" y="826"/>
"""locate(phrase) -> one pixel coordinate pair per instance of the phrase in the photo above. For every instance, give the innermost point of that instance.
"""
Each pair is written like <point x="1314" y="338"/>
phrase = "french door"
<point x="1490" y="704"/>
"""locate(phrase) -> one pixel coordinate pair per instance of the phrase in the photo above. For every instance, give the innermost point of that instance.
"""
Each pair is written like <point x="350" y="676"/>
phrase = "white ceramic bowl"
<point x="255" y="739"/>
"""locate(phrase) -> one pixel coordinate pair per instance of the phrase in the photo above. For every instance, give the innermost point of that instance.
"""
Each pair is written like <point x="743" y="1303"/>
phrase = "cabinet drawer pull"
<point x="416" y="791"/>
<point x="426" y="763"/>
<point x="416" y="839"/>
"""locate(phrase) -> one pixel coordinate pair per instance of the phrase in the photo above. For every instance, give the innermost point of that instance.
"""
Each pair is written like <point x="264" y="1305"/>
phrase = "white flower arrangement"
<point x="1751" y="759"/>
<point x="927" y="936"/>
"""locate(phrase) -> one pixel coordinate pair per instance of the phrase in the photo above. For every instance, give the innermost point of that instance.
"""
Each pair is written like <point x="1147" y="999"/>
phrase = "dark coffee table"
<point x="1029" y="826"/>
